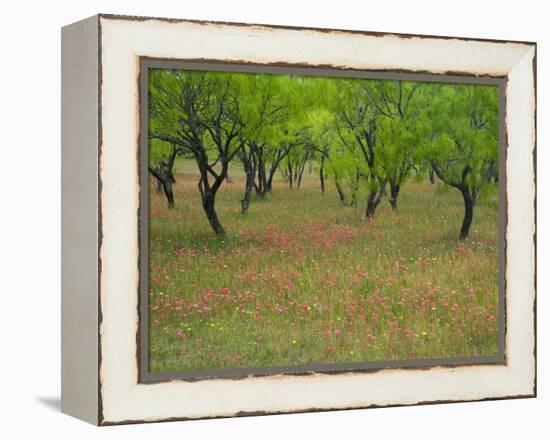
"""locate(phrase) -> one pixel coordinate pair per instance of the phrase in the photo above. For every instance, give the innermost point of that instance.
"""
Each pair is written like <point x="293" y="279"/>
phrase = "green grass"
<point x="301" y="279"/>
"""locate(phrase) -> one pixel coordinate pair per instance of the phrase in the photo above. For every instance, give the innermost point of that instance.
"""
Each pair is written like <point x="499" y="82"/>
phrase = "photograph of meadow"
<point x="311" y="220"/>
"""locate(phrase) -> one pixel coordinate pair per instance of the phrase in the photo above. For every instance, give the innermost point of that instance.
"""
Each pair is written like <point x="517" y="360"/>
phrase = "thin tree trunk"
<point x="322" y="174"/>
<point x="341" y="194"/>
<point x="354" y="190"/>
<point x="300" y="171"/>
<point x="468" y="213"/>
<point x="261" y="177"/>
<point x="167" y="185"/>
<point x="469" y="195"/>
<point x="394" y="194"/>
<point x="208" y="201"/>
<point x="247" y="158"/>
<point x="267" y="178"/>
<point x="373" y="201"/>
<point x="371" y="205"/>
<point x="290" y="180"/>
<point x="269" y="184"/>
<point x="164" y="175"/>
<point x="248" y="187"/>
<point x="273" y="169"/>
<point x="208" y="193"/>
<point x="166" y="181"/>
<point x="158" y="185"/>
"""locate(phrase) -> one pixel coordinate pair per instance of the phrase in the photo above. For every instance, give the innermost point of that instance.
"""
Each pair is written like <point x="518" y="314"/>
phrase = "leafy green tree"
<point x="301" y="94"/>
<point x="334" y="159"/>
<point x="398" y="103"/>
<point x="365" y="134"/>
<point x="321" y="139"/>
<point x="199" y="112"/>
<point x="357" y="128"/>
<point x="263" y="110"/>
<point x="461" y="141"/>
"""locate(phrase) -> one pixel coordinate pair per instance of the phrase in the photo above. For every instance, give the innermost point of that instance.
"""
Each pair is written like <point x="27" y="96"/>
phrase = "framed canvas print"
<point x="262" y="219"/>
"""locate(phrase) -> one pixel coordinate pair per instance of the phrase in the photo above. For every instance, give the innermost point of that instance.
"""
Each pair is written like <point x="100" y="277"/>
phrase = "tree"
<point x="461" y="132"/>
<point x="262" y="111"/>
<point x="247" y="156"/>
<point x="320" y="137"/>
<point x="199" y="112"/>
<point x="295" y="163"/>
<point x="364" y="135"/>
<point x="268" y="159"/>
<point x="161" y="166"/>
<point x="291" y="148"/>
<point x="398" y="105"/>
<point x="357" y="126"/>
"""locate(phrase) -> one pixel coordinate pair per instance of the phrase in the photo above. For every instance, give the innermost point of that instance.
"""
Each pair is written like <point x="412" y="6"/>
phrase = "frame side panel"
<point x="79" y="220"/>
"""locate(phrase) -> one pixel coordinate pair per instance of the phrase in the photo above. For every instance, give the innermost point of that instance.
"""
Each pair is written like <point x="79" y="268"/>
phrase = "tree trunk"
<point x="468" y="213"/>
<point x="394" y="193"/>
<point x="290" y="175"/>
<point x="208" y="201"/>
<point x="469" y="194"/>
<point x="261" y="177"/>
<point x="250" y="172"/>
<point x="166" y="182"/>
<point x="300" y="171"/>
<point x="268" y="185"/>
<point x="299" y="179"/>
<point x="341" y="194"/>
<point x="265" y="178"/>
<point x="322" y="174"/>
<point x="371" y="205"/>
<point x="158" y="185"/>
<point x="373" y="201"/>
<point x="167" y="185"/>
<point x="355" y="189"/>
<point x="248" y="188"/>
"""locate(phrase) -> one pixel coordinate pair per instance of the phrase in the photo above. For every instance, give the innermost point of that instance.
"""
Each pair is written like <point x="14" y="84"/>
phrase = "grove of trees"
<point x="367" y="137"/>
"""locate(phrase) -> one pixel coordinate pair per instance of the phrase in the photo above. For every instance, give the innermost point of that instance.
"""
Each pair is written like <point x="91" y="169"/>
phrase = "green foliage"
<point x="368" y="133"/>
<point x="460" y="130"/>
<point x="158" y="151"/>
<point x="416" y="123"/>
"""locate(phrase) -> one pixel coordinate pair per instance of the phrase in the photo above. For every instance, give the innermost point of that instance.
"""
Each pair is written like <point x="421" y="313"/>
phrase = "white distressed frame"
<point x="122" y="41"/>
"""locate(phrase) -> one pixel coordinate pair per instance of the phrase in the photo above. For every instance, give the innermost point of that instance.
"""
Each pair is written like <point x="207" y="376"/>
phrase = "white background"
<point x="30" y="217"/>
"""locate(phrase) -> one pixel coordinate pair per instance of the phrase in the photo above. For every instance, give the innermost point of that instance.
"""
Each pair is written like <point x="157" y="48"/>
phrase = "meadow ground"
<point x="301" y="279"/>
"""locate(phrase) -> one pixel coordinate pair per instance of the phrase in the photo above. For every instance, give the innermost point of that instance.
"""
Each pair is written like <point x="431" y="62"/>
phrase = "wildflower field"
<point x="300" y="279"/>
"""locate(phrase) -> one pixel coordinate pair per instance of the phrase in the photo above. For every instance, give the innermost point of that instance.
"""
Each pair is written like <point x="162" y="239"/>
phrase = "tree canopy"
<point x="364" y="135"/>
